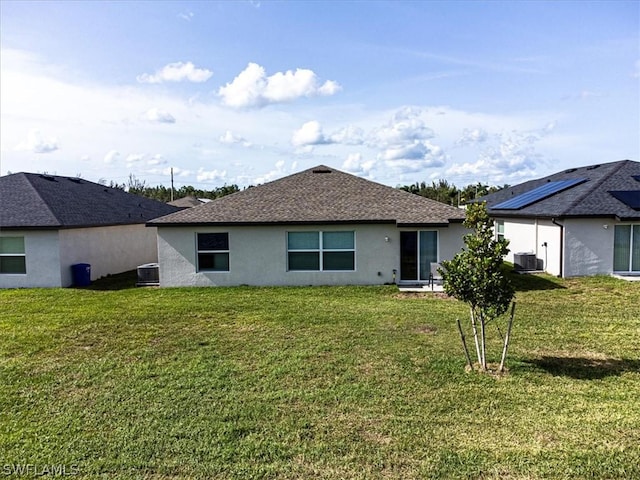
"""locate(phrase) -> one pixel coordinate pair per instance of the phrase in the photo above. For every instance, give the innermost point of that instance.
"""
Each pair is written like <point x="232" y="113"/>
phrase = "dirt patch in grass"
<point x="426" y="329"/>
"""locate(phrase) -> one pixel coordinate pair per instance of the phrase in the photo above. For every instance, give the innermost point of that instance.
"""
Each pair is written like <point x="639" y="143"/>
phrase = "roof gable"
<point x="318" y="195"/>
<point x="30" y="200"/>
<point x="588" y="193"/>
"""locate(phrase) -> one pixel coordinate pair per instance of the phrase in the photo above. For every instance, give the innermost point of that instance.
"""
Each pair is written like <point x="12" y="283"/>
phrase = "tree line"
<point x="164" y="194"/>
<point x="444" y="192"/>
<point x="441" y="191"/>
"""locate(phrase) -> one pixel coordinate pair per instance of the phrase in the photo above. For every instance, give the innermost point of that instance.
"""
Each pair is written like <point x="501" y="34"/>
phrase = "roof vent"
<point x="48" y="177"/>
<point x="321" y="170"/>
<point x="636" y="177"/>
<point x="593" y="167"/>
<point x="75" y="180"/>
<point x="571" y="170"/>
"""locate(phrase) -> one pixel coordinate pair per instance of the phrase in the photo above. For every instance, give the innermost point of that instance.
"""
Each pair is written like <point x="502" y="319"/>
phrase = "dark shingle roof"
<point x="186" y="202"/>
<point x="317" y="195"/>
<point x="31" y="200"/>
<point x="590" y="198"/>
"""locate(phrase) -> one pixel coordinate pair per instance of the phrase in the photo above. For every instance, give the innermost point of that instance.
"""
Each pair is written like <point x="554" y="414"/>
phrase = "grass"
<point x="335" y="382"/>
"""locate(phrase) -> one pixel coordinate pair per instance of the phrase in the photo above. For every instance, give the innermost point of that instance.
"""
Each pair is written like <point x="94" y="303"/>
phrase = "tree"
<point x="476" y="276"/>
<point x="445" y="192"/>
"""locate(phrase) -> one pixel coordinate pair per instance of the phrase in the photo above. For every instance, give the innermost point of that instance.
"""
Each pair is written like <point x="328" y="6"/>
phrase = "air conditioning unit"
<point x="525" y="261"/>
<point x="148" y="275"/>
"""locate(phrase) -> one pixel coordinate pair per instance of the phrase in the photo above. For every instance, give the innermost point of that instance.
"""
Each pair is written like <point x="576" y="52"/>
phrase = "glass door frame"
<point x="411" y="251"/>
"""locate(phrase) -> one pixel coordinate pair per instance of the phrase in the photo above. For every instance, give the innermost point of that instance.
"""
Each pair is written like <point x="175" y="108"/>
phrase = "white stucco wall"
<point x="550" y="234"/>
<point x="450" y="241"/>
<point x="587" y="244"/>
<point x="521" y="234"/>
<point x="42" y="260"/>
<point x="529" y="235"/>
<point x="258" y="256"/>
<point x="108" y="250"/>
<point x="588" y="247"/>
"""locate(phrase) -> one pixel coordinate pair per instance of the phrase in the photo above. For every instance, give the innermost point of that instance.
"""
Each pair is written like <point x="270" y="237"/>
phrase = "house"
<point x="186" y="202"/>
<point x="316" y="227"/>
<point x="581" y="221"/>
<point x="49" y="223"/>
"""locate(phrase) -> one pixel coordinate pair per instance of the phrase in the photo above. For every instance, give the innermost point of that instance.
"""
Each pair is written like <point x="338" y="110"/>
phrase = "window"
<point x="626" y="248"/>
<point x="12" y="256"/>
<point x="321" y="251"/>
<point x="213" y="252"/>
<point x="500" y="230"/>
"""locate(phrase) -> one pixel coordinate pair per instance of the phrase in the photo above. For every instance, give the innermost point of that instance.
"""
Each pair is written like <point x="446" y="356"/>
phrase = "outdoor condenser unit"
<point x="525" y="261"/>
<point x="148" y="275"/>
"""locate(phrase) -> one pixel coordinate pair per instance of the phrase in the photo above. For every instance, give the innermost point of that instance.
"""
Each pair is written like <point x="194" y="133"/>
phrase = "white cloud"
<point x="187" y="16"/>
<point x="204" y="176"/>
<point x="279" y="171"/>
<point x="405" y="127"/>
<point x="403" y="143"/>
<point x="36" y="143"/>
<point x="177" y="72"/>
<point x="159" y="116"/>
<point x="253" y="88"/>
<point x="350" y="135"/>
<point x="329" y="88"/>
<point x="356" y="165"/>
<point x="157" y="159"/>
<point x="229" y="138"/>
<point x="472" y="136"/>
<point x="166" y="172"/>
<point x="414" y="157"/>
<point x="134" y="159"/>
<point x="309" y="134"/>
<point x="513" y="158"/>
<point x="112" y="156"/>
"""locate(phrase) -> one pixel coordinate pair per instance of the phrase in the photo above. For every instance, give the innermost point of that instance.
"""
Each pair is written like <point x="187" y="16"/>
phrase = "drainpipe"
<point x="553" y="220"/>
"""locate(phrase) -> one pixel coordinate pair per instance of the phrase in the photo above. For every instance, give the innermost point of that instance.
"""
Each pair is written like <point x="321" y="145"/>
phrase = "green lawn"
<point x="354" y="382"/>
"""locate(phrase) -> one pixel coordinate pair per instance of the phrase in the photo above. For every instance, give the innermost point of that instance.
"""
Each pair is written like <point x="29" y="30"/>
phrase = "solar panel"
<point x="537" y="194"/>
<point x="631" y="198"/>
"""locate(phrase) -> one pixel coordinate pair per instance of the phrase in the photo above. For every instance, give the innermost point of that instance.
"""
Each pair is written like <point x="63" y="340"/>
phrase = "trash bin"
<point x="81" y="274"/>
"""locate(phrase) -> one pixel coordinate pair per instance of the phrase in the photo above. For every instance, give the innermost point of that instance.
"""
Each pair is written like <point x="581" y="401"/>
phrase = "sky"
<point x="245" y="92"/>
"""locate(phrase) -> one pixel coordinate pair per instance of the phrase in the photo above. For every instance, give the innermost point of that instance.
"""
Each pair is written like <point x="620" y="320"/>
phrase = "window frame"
<point x="213" y="252"/>
<point x="321" y="251"/>
<point x="632" y="248"/>
<point x="499" y="230"/>
<point x="22" y="254"/>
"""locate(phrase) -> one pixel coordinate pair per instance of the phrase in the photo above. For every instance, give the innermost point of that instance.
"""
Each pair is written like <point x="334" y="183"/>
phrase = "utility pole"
<point x="172" y="184"/>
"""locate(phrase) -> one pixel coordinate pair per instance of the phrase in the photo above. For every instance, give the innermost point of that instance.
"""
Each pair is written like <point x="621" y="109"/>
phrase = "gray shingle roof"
<point x="317" y="195"/>
<point x="588" y="199"/>
<point x="186" y="202"/>
<point x="31" y="200"/>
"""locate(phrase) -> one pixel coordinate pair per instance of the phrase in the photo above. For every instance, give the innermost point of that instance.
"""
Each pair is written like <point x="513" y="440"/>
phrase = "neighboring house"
<point x="582" y="221"/>
<point x="317" y="227"/>
<point x="186" y="202"/>
<point x="48" y="223"/>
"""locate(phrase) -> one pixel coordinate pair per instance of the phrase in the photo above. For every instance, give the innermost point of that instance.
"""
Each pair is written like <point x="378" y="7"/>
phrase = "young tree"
<point x="475" y="276"/>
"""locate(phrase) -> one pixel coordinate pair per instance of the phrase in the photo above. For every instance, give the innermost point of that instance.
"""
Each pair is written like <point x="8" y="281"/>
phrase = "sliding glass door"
<point x="626" y="249"/>
<point x="418" y="250"/>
